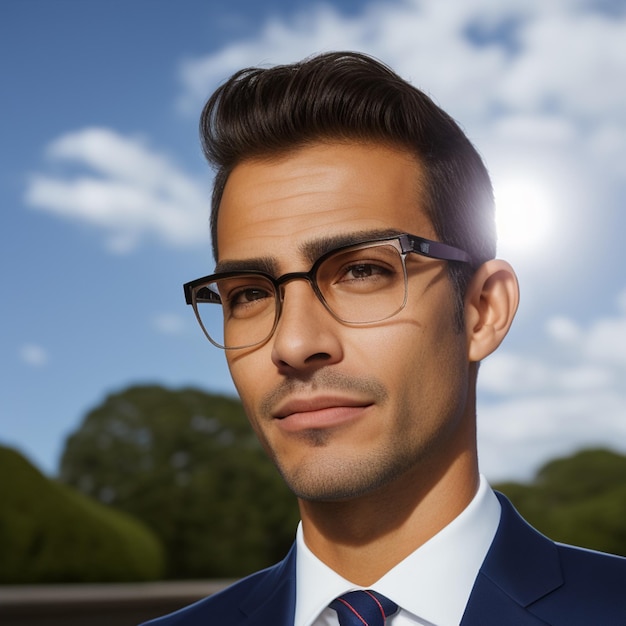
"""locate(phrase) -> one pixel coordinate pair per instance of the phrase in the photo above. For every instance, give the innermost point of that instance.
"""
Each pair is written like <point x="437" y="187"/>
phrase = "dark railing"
<point x="98" y="604"/>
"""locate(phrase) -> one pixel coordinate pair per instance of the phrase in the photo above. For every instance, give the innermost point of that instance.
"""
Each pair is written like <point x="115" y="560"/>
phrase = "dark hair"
<point x="350" y="96"/>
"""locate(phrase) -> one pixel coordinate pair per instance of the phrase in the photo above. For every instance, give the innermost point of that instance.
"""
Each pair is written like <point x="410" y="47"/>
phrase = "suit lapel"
<point x="273" y="601"/>
<point x="490" y="606"/>
<point x="521" y="566"/>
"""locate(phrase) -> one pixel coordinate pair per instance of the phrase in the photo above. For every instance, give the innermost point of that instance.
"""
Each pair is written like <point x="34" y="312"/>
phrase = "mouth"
<point x="319" y="412"/>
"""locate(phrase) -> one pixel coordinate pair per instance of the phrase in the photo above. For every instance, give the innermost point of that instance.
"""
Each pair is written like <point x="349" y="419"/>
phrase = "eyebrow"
<point x="313" y="250"/>
<point x="261" y="264"/>
<point x="310" y="250"/>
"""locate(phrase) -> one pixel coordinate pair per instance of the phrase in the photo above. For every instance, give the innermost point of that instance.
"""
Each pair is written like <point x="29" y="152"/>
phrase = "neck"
<point x="363" y="538"/>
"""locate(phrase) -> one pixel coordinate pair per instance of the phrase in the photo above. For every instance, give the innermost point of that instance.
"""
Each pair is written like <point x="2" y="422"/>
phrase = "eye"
<point x="244" y="297"/>
<point x="247" y="295"/>
<point x="363" y="271"/>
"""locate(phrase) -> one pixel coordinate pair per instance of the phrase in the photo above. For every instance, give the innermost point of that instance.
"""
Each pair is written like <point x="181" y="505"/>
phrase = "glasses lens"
<point x="363" y="284"/>
<point x="247" y="314"/>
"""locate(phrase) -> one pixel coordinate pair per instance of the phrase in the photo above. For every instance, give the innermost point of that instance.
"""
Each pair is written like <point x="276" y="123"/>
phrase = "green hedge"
<point x="49" y="532"/>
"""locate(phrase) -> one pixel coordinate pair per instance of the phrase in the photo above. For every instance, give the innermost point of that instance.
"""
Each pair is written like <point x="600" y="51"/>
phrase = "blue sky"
<point x="105" y="196"/>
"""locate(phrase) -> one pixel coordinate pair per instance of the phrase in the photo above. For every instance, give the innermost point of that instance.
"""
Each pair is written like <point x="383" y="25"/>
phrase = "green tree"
<point x="51" y="533"/>
<point x="580" y="500"/>
<point x="188" y="465"/>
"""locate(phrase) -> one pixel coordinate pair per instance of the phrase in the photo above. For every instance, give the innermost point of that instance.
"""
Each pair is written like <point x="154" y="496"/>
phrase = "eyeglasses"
<point x="362" y="283"/>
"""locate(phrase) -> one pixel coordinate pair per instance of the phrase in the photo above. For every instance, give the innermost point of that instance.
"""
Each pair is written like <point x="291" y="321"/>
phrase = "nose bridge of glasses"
<point x="281" y="281"/>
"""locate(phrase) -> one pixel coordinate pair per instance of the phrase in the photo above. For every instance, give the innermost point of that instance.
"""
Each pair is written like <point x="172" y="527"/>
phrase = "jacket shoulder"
<point x="591" y="574"/>
<point x="557" y="583"/>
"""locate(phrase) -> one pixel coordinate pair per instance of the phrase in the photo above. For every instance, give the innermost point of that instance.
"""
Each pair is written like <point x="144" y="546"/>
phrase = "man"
<point x="353" y="229"/>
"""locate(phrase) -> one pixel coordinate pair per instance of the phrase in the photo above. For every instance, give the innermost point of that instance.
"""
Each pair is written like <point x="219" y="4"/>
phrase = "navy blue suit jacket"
<point x="525" y="580"/>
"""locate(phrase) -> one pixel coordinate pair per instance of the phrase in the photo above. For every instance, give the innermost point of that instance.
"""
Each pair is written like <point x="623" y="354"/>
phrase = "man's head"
<point x="334" y="152"/>
<point x="351" y="97"/>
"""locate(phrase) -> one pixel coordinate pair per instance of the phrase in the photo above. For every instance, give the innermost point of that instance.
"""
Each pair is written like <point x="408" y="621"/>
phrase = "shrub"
<point x="50" y="532"/>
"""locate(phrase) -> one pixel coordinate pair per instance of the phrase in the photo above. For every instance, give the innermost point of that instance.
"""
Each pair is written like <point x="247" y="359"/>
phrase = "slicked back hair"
<point x="349" y="96"/>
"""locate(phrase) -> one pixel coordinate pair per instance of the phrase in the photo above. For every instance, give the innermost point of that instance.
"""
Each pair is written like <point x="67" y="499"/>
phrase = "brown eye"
<point x="362" y="271"/>
<point x="244" y="296"/>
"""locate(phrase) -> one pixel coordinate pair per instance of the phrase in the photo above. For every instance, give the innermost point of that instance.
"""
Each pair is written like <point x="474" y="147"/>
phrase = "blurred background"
<point x="104" y="201"/>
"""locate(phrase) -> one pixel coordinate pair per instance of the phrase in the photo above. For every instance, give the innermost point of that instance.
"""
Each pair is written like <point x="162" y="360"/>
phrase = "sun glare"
<point x="524" y="215"/>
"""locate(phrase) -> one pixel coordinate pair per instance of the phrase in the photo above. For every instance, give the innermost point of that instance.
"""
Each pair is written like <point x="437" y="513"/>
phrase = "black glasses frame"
<point x="408" y="243"/>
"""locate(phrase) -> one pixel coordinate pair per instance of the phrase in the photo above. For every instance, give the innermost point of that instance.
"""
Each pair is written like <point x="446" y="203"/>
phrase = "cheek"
<point x="444" y="378"/>
<point x="422" y="364"/>
<point x="248" y="376"/>
<point x="247" y="371"/>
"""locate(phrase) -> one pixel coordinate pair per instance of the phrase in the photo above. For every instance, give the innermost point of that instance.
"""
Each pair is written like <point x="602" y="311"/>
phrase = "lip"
<point x="318" y="412"/>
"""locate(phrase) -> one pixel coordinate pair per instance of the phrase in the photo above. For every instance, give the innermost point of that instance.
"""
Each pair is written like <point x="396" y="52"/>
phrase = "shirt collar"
<point x="433" y="583"/>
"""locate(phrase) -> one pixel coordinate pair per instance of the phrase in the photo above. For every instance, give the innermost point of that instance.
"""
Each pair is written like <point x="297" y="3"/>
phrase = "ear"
<point x="490" y="304"/>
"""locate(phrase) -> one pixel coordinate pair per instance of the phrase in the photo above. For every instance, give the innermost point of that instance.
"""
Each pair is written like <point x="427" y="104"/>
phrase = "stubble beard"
<point x="340" y="479"/>
<point x="332" y="477"/>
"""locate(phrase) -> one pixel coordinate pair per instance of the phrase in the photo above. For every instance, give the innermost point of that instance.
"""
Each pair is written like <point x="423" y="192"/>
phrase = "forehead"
<point x="275" y="207"/>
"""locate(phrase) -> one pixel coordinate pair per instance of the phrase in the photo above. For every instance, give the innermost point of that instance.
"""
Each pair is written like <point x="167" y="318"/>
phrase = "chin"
<point x="338" y="482"/>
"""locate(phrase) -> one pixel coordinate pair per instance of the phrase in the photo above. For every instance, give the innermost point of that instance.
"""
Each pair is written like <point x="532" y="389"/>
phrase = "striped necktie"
<point x="363" y="608"/>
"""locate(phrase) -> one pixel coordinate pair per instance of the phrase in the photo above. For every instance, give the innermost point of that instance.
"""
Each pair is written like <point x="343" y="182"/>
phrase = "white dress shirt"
<point x="431" y="586"/>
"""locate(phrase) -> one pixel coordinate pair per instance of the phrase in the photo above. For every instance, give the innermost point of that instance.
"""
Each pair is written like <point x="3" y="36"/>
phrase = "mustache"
<point x="323" y="381"/>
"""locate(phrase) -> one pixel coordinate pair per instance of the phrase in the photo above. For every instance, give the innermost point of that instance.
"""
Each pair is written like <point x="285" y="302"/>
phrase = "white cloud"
<point x="128" y="190"/>
<point x="563" y="329"/>
<point x="603" y="343"/>
<point x="533" y="408"/>
<point x="607" y="342"/>
<point x="34" y="355"/>
<point x="516" y="436"/>
<point x="570" y="61"/>
<point x="534" y="128"/>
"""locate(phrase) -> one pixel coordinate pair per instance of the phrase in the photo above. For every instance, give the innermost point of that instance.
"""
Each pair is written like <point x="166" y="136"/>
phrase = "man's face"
<point x="345" y="410"/>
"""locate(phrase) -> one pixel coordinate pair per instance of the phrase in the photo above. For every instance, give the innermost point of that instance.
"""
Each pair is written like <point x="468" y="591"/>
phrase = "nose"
<point x="307" y="336"/>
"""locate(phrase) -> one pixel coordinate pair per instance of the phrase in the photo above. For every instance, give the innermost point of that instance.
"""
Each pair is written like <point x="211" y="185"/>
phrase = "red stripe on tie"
<point x="356" y="612"/>
<point x="380" y="606"/>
